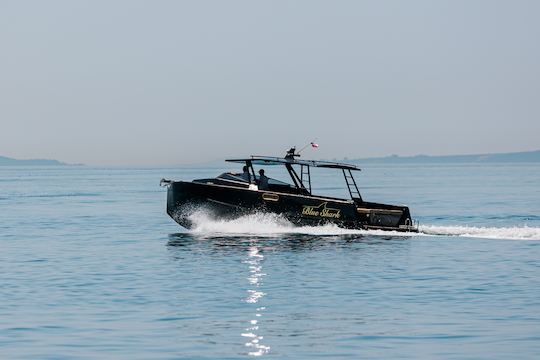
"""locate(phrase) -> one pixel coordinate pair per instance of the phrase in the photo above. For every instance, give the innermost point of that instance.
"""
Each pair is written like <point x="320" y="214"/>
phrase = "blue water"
<point x="92" y="267"/>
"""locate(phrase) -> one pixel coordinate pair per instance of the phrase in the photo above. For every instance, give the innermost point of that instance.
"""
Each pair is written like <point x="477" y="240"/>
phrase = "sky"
<point x="177" y="82"/>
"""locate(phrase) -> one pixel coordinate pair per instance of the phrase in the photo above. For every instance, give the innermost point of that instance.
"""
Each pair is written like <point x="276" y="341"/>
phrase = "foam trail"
<point x="268" y="224"/>
<point x="511" y="233"/>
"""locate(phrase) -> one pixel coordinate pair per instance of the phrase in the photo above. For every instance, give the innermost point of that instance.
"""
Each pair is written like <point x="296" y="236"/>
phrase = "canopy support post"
<point x="294" y="176"/>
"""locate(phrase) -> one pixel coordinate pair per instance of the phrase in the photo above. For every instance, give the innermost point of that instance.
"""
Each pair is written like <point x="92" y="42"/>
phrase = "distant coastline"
<point x="6" y="161"/>
<point x="514" y="157"/>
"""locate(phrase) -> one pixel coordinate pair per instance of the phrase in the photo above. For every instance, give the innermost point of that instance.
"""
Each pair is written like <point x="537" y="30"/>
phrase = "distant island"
<point x="515" y="157"/>
<point x="6" y="161"/>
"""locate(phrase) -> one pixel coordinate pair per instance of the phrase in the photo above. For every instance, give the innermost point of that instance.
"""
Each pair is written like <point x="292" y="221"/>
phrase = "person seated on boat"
<point x="245" y="174"/>
<point x="263" y="180"/>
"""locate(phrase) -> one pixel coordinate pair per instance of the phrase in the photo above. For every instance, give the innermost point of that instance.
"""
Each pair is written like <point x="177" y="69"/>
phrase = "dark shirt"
<point x="263" y="182"/>
<point x="246" y="176"/>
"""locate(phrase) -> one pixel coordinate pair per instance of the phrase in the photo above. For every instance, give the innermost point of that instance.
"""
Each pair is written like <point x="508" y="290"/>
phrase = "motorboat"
<point x="232" y="195"/>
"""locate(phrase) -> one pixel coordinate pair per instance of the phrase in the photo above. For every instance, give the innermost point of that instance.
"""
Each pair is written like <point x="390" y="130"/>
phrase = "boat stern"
<point x="386" y="217"/>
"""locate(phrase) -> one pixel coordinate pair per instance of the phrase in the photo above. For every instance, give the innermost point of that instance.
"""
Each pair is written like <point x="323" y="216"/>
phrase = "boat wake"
<point x="509" y="233"/>
<point x="268" y="224"/>
<point x="259" y="224"/>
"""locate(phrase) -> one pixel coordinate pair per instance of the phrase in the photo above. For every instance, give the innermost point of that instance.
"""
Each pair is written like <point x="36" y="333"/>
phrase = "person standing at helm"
<point x="245" y="174"/>
<point x="263" y="180"/>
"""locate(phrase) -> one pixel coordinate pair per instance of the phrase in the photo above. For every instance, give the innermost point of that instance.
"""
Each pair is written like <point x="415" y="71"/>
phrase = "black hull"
<point x="230" y="202"/>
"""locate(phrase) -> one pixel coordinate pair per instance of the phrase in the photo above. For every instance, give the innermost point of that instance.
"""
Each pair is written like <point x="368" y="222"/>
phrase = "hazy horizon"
<point x="177" y="82"/>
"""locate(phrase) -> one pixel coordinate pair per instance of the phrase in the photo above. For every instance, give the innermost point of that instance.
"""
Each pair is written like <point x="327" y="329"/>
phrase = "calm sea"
<point x="92" y="267"/>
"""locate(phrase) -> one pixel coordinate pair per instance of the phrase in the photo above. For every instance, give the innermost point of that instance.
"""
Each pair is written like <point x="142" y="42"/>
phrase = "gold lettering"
<point x="308" y="210"/>
<point x="331" y="213"/>
<point x="321" y="211"/>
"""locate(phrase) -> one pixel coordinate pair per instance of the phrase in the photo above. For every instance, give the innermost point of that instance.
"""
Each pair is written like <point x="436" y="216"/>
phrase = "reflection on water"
<point x="254" y="295"/>
<point x="244" y="262"/>
<point x="280" y="242"/>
